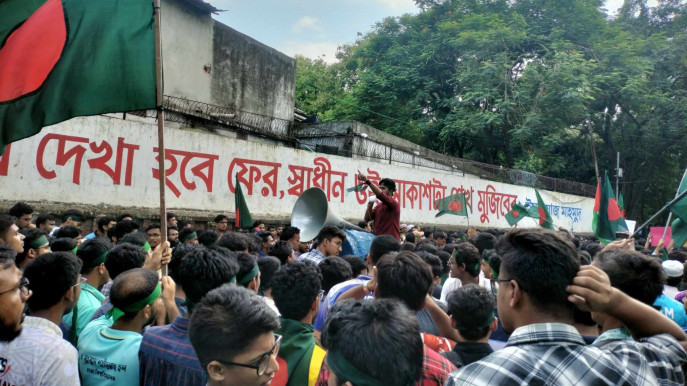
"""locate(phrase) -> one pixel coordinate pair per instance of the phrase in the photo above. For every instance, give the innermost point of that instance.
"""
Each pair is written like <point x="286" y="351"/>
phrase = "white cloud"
<point x="306" y="23"/>
<point x="312" y="50"/>
<point x="405" y="5"/>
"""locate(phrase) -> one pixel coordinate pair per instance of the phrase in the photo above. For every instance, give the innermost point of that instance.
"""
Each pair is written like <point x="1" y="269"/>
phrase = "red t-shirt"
<point x="387" y="217"/>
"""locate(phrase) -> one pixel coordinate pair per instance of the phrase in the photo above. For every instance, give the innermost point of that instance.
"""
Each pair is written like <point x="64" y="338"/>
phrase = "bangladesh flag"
<point x="679" y="232"/>
<point x="607" y="219"/>
<point x="243" y="217"/>
<point x="65" y="58"/>
<point x="679" y="209"/>
<point x="545" y="220"/>
<point x="517" y="213"/>
<point x="621" y="204"/>
<point x="453" y="204"/>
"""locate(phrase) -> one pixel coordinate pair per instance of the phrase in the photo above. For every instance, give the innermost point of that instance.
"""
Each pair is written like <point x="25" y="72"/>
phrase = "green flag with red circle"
<point x="545" y="220"/>
<point x="453" y="204"/>
<point x="607" y="219"/>
<point x="517" y="213"/>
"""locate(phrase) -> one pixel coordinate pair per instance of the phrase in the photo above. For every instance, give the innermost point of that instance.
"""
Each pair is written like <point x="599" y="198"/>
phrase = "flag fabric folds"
<point x="607" y="219"/>
<point x="517" y="213"/>
<point x="243" y="217"/>
<point x="545" y="220"/>
<point x="67" y="58"/>
<point x="453" y="204"/>
<point x="679" y="210"/>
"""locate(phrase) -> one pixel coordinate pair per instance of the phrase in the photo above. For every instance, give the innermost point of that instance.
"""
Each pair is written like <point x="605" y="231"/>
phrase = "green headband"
<point x="189" y="236"/>
<point x="116" y="313"/>
<point x="146" y="247"/>
<point x="454" y="255"/>
<point x="39" y="242"/>
<point x="73" y="217"/>
<point x="245" y="279"/>
<point x="345" y="370"/>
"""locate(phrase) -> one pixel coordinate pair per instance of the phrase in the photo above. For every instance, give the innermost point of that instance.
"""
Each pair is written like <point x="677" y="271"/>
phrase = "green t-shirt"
<point x="108" y="356"/>
<point x="89" y="302"/>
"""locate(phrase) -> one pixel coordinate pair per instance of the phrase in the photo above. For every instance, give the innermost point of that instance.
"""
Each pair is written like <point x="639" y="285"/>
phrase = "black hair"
<point x="246" y="263"/>
<point x="264" y="235"/>
<point x="68" y="231"/>
<point x="592" y="247"/>
<point x="404" y="276"/>
<point x="433" y="261"/>
<point x="678" y="255"/>
<point x="152" y="226"/>
<point x="7" y="256"/>
<point x="123" y="257"/>
<point x="256" y="223"/>
<point x="449" y="247"/>
<point x="585" y="257"/>
<point x="184" y="223"/>
<point x="288" y="232"/>
<point x="177" y="254"/>
<point x="227" y="321"/>
<point x="122" y="216"/>
<point x="410" y="237"/>
<point x="389" y="183"/>
<point x="295" y="287"/>
<point x="43" y="218"/>
<point x="444" y="257"/>
<point x="90" y="251"/>
<point x="334" y="271"/>
<point x="136" y="238"/>
<point x="472" y="307"/>
<point x="208" y="237"/>
<point x="427" y="232"/>
<point x="72" y="213"/>
<point x="185" y="232"/>
<point x="104" y="221"/>
<point x="365" y="332"/>
<point x="381" y="245"/>
<point x="282" y="250"/>
<point x="357" y="264"/>
<point x="468" y="254"/>
<point x="427" y="245"/>
<point x="201" y="270"/>
<point x="484" y="240"/>
<point x="673" y="281"/>
<point x="219" y="218"/>
<point x="30" y="235"/>
<point x="132" y="286"/>
<point x="64" y="244"/>
<point x="638" y="276"/>
<point x="234" y="241"/>
<point x="329" y="232"/>
<point x="408" y="246"/>
<point x="439" y="235"/>
<point x="543" y="264"/>
<point x="19" y="209"/>
<point x="170" y="215"/>
<point x="362" y="224"/>
<point x="124" y="227"/>
<point x="50" y="277"/>
<point x="268" y="266"/>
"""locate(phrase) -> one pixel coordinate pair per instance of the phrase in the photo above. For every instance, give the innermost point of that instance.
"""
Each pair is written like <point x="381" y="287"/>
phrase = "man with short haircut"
<point x="35" y="244"/>
<point x="166" y="356"/>
<point x="329" y="242"/>
<point x="45" y="222"/>
<point x="387" y="214"/>
<point x="232" y="330"/>
<point x="234" y="241"/>
<point x="24" y="213"/>
<point x="108" y="355"/>
<point x="103" y="225"/>
<point x="380" y="246"/>
<point x="372" y="342"/>
<point x="71" y="217"/>
<point x="472" y="313"/>
<point x="292" y="235"/>
<point x="465" y="267"/>
<point x="296" y="292"/>
<point x="14" y="291"/>
<point x="188" y="236"/>
<point x="40" y="356"/>
<point x="668" y="305"/>
<point x="171" y="219"/>
<point x="92" y="254"/>
<point x="153" y="235"/>
<point x="674" y="271"/>
<point x="269" y="265"/>
<point x="68" y="231"/>
<point x="248" y="274"/>
<point x="173" y="235"/>
<point x="334" y="270"/>
<point x="283" y="250"/>
<point x="258" y="226"/>
<point x="440" y="239"/>
<point x="9" y="233"/>
<point x="123" y="228"/>
<point x="221" y="224"/>
<point x="358" y="266"/>
<point x="540" y="283"/>
<point x="267" y="243"/>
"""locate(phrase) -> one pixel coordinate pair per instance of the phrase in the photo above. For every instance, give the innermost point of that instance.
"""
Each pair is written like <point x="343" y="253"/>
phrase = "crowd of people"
<point x="261" y="306"/>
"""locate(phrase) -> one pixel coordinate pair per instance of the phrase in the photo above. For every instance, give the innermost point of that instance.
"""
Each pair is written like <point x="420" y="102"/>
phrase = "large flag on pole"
<point x="243" y="217"/>
<point x="679" y="209"/>
<point x="545" y="219"/>
<point x="65" y="58"/>
<point x="607" y="220"/>
<point x="517" y="213"/>
<point x="453" y="204"/>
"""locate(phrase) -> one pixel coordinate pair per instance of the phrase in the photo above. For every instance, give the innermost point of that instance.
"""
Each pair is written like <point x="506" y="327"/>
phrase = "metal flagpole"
<point x="665" y="207"/>
<point x="160" y="126"/>
<point x="670" y="215"/>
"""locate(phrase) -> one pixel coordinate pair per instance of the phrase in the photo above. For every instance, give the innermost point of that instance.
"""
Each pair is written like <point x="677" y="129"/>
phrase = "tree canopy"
<point x="524" y="84"/>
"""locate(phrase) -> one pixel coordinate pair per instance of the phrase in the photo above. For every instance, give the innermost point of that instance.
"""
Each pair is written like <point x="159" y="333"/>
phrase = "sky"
<point x="314" y="28"/>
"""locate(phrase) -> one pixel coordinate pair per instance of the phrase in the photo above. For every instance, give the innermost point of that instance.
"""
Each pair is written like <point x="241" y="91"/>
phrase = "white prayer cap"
<point x="673" y="268"/>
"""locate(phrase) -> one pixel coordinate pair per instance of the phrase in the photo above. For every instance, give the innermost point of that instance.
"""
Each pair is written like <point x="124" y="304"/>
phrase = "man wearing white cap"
<point x="667" y="304"/>
<point x="673" y="270"/>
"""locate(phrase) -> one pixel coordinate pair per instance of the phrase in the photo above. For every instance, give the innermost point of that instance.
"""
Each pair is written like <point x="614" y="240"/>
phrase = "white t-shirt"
<point x="453" y="283"/>
<point x="39" y="356"/>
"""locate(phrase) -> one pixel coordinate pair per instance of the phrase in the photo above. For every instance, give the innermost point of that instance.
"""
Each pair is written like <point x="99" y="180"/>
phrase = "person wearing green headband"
<point x="249" y="272"/>
<point x="465" y="264"/>
<point x="109" y="354"/>
<point x="372" y="343"/>
<point x="188" y="236"/>
<point x="71" y="217"/>
<point x="35" y="244"/>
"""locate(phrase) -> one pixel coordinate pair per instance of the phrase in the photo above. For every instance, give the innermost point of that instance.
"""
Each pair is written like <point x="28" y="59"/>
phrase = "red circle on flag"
<point x="453" y="206"/>
<point x="31" y="51"/>
<point x="516" y="213"/>
<point x="542" y="216"/>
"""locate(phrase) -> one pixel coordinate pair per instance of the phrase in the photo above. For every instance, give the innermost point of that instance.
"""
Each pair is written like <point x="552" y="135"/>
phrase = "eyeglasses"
<point x="261" y="364"/>
<point x="82" y="280"/>
<point x="503" y="280"/>
<point x="23" y="287"/>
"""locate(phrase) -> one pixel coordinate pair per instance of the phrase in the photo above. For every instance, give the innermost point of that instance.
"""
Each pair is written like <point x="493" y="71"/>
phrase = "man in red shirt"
<point x="387" y="214"/>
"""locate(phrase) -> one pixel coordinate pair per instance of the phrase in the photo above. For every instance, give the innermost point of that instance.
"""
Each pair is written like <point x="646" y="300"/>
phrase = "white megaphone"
<point x="311" y="213"/>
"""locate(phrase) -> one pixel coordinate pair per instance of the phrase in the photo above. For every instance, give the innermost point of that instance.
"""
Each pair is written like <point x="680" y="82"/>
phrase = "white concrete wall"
<point x="34" y="171"/>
